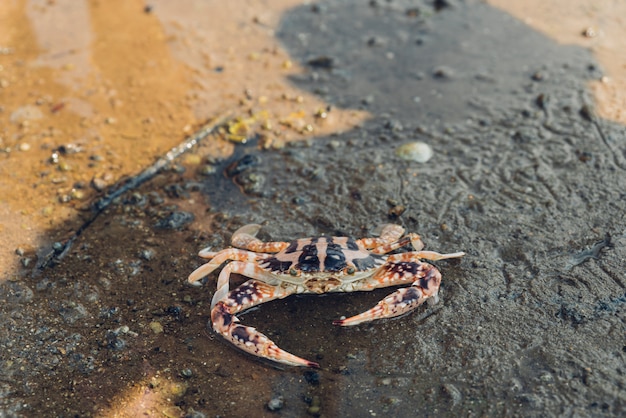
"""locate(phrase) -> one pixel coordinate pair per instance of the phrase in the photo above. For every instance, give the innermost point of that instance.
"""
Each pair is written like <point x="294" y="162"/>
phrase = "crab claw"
<point x="416" y="242"/>
<point x="250" y="340"/>
<point x="244" y="235"/>
<point x="207" y="253"/>
<point x="390" y="231"/>
<point x="398" y="303"/>
<point x="202" y="271"/>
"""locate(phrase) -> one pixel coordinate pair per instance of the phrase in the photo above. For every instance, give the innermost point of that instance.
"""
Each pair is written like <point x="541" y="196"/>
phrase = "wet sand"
<point x="524" y="112"/>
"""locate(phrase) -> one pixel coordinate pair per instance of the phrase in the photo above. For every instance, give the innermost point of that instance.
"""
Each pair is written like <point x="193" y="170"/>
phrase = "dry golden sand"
<point x="125" y="84"/>
<point x="597" y="25"/>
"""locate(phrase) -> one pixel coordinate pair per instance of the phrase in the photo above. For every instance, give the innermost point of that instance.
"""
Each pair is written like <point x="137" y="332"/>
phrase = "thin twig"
<point x="100" y="205"/>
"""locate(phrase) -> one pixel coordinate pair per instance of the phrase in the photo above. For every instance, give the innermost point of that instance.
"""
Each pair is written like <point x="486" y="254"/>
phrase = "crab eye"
<point x="293" y="271"/>
<point x="350" y="270"/>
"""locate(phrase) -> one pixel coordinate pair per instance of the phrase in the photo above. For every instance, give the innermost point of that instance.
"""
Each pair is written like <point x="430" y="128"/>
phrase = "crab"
<point x="316" y="265"/>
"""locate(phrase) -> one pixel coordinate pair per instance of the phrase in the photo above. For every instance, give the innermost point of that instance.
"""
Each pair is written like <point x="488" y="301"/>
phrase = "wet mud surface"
<point x="525" y="178"/>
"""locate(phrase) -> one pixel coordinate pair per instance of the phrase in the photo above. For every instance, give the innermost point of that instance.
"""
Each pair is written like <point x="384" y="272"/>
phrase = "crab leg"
<point x="425" y="255"/>
<point x="388" y="234"/>
<point x="225" y="323"/>
<point x="245" y="237"/>
<point x="414" y="239"/>
<point x="390" y="239"/>
<point x="238" y="267"/>
<point x="426" y="280"/>
<point x="218" y="259"/>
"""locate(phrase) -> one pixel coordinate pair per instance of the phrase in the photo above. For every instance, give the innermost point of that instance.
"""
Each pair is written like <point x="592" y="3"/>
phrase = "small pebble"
<point x="176" y="220"/>
<point x="415" y="151"/>
<point x="396" y="211"/>
<point x="156" y="327"/>
<point x="155" y="198"/>
<point x="394" y="125"/>
<point x="193" y="159"/>
<point x="98" y="184"/>
<point x="207" y="170"/>
<point x="177" y="389"/>
<point x="147" y="254"/>
<point x="443" y="72"/>
<point x="313" y="410"/>
<point x="77" y="194"/>
<point x="276" y="404"/>
<point x="312" y="377"/>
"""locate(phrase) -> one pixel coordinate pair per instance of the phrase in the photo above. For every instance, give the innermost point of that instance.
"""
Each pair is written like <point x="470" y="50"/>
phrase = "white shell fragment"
<point x="415" y="151"/>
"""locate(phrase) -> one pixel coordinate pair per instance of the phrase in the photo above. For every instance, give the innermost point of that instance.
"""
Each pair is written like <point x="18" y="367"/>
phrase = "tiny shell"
<point x="415" y="151"/>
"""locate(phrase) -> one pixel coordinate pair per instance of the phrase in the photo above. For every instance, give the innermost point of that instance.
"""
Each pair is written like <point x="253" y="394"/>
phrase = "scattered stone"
<point x="156" y="327"/>
<point x="396" y="211"/>
<point x="16" y="292"/>
<point x="539" y="76"/>
<point x="587" y="113"/>
<point x="104" y="282"/>
<point x="176" y="191"/>
<point x="207" y="170"/>
<point x="155" y="198"/>
<point x="108" y="312"/>
<point x="147" y="254"/>
<point x="98" y="184"/>
<point x="453" y="393"/>
<point x="368" y="100"/>
<point x="590" y="32"/>
<point x="242" y="164"/>
<point x="193" y="159"/>
<point x="439" y="5"/>
<point x="113" y="341"/>
<point x="315" y="406"/>
<point x="415" y="151"/>
<point x="174" y="311"/>
<point x="323" y="62"/>
<point x="413" y="12"/>
<point x="443" y="72"/>
<point x="176" y="220"/>
<point x="251" y="183"/>
<point x="394" y="125"/>
<point x="276" y="404"/>
<point x="177" y="389"/>
<point x="77" y="194"/>
<point x="45" y="284"/>
<point x="71" y="311"/>
<point x="312" y="377"/>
